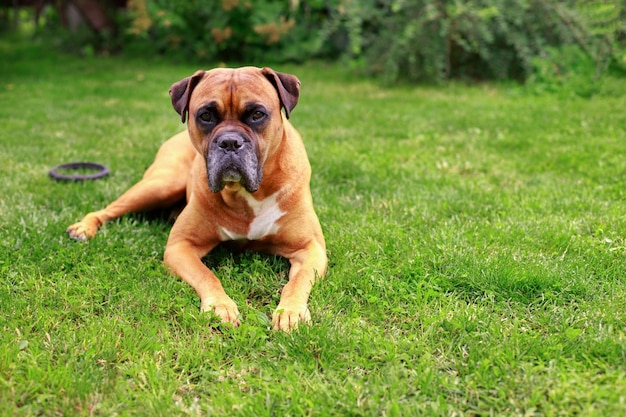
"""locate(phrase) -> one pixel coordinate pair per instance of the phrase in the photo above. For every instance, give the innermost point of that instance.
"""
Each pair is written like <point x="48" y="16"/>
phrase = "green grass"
<point x="476" y="237"/>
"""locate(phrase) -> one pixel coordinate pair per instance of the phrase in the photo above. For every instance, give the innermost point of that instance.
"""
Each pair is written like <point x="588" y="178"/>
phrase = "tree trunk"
<point x="95" y="14"/>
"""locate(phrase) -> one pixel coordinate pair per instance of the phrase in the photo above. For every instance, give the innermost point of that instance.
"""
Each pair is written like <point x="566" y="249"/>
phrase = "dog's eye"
<point x="208" y="117"/>
<point x="257" y="116"/>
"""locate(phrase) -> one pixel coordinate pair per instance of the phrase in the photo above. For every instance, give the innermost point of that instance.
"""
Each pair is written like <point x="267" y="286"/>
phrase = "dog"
<point x="242" y="170"/>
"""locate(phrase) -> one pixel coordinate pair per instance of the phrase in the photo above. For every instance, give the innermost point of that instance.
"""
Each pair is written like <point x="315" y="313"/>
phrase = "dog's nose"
<point x="230" y="142"/>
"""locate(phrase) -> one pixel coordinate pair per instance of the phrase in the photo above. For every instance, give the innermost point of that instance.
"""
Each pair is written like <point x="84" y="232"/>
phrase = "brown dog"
<point x="244" y="172"/>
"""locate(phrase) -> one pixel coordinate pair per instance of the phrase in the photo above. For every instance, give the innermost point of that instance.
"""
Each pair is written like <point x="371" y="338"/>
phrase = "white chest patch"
<point x="266" y="214"/>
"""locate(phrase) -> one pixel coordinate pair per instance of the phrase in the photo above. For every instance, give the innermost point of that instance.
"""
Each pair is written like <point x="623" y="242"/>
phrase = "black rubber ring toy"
<point x="101" y="171"/>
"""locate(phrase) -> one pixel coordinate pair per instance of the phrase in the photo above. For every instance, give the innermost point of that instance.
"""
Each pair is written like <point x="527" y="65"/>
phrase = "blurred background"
<point x="425" y="41"/>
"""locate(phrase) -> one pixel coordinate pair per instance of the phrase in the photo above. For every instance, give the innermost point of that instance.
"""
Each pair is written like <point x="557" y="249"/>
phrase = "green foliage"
<point x="605" y="21"/>
<point x="437" y="40"/>
<point x="226" y="30"/>
<point x="565" y="71"/>
<point x="396" y="40"/>
<point x="579" y="69"/>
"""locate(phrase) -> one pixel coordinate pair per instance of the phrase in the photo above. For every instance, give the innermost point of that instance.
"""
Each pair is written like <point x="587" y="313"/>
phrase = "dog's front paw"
<point x="286" y="317"/>
<point x="225" y="309"/>
<point x="81" y="231"/>
<point x="86" y="228"/>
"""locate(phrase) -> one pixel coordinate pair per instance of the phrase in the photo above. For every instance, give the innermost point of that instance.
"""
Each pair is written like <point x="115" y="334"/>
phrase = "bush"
<point x="551" y="41"/>
<point x="436" y="40"/>
<point x="605" y="22"/>
<point x="566" y="71"/>
<point x="228" y="30"/>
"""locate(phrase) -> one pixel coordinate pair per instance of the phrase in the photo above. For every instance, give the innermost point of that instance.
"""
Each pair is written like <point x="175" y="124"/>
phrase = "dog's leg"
<point x="163" y="185"/>
<point x="183" y="256"/>
<point x="307" y="265"/>
<point x="158" y="191"/>
<point x="185" y="260"/>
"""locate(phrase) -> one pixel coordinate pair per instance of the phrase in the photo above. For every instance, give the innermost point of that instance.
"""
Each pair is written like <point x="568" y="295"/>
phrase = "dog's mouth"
<point x="233" y="165"/>
<point x="231" y="174"/>
<point x="248" y="178"/>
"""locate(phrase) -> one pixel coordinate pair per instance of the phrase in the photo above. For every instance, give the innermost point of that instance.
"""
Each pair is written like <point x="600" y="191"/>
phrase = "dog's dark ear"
<point x="287" y="86"/>
<point x="180" y="93"/>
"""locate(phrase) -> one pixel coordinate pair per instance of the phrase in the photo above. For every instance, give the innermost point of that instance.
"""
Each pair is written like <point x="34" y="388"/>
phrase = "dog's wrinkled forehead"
<point x="232" y="90"/>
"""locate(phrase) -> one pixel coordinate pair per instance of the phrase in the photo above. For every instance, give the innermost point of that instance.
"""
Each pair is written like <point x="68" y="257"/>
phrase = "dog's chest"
<point x="266" y="215"/>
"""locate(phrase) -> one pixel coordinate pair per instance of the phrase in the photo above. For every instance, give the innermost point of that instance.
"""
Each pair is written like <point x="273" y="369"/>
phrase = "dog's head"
<point x="234" y="119"/>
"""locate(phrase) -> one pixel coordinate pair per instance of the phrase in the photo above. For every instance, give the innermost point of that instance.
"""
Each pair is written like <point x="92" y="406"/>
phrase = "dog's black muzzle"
<point x="232" y="157"/>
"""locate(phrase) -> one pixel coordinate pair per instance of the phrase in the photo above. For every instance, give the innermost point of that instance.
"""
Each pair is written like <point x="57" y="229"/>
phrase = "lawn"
<point x="476" y="237"/>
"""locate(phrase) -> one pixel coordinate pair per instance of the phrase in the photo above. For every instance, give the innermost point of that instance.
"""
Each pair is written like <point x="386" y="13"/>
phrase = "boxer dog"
<point x="243" y="171"/>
